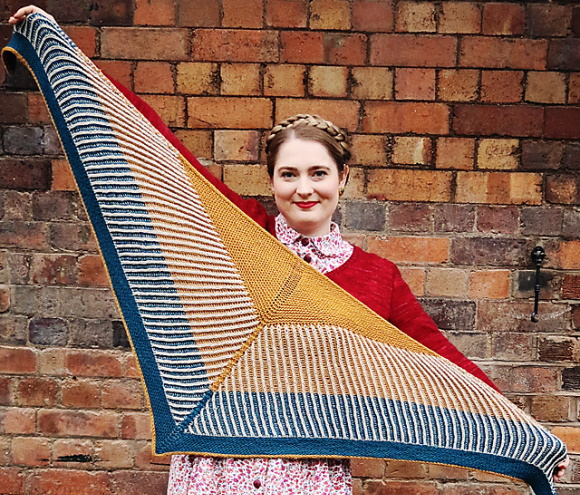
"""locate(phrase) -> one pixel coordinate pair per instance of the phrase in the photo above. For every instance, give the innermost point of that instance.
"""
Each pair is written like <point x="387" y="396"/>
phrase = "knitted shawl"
<point x="245" y="350"/>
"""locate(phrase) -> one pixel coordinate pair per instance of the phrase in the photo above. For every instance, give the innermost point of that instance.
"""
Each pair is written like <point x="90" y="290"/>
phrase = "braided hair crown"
<point x="316" y="121"/>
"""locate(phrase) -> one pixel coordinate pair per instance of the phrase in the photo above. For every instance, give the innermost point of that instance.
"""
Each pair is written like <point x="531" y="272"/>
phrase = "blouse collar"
<point x="328" y="245"/>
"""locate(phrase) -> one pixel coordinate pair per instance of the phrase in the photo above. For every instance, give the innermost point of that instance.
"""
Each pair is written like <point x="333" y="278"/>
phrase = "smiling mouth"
<point x="306" y="204"/>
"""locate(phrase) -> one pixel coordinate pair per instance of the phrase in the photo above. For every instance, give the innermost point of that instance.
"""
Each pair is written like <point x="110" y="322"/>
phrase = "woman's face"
<point x="306" y="185"/>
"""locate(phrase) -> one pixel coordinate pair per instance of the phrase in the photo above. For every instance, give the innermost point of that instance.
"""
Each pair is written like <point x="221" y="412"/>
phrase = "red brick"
<point x="25" y="175"/>
<point x="368" y="149"/>
<point x="446" y="282"/>
<point x="198" y="78"/>
<point x="525" y="379"/>
<point x="93" y="363"/>
<point x="30" y="451"/>
<point x="145" y="459"/>
<point x="59" y="422"/>
<point x="489" y="284"/>
<point x="574" y="89"/>
<point x="136" y="426"/>
<point x="415" y="279"/>
<point x="198" y="14"/>
<point x="562" y="123"/>
<point x="68" y="482"/>
<point x="570" y="435"/>
<point x="501" y="86"/>
<point x="325" y="81"/>
<point x="549" y="20"/>
<point x="414" y="84"/>
<point x="329" y="14"/>
<point x="198" y="142"/>
<point x="52" y="362"/>
<point x="17" y="360"/>
<point x="229" y="112"/>
<point x="341" y="112"/>
<point x="13" y="108"/>
<point x="92" y="272"/>
<point x="111" y="13"/>
<point x="240" y="79"/>
<point x="81" y="393"/>
<point x="368" y="15"/>
<point x="558" y="349"/>
<point x="345" y="49"/>
<point x="37" y="110"/>
<point x="286" y="13"/>
<point x="235" y="45"/>
<point x="132" y="482"/>
<point x="170" y="108"/>
<point x="4" y="299"/>
<point x="513" y="347"/>
<point x="550" y="408"/>
<point x="498" y="219"/>
<point x="62" y="176"/>
<point x="84" y="37"/>
<point x="144" y="43"/>
<point x="72" y="236"/>
<point x="367" y="468"/>
<point x="405" y="470"/>
<point x="131" y="366"/>
<point x="412" y="150"/>
<point x="401" y="488"/>
<point x="372" y="83"/>
<point x="120" y="70"/>
<point x="415" y="17"/>
<point x="569" y="255"/>
<point x="53" y="269"/>
<point x="114" y="454"/>
<point x="459" y="17"/>
<point x="402" y="117"/>
<point x="563" y="189"/>
<point x="498" y="188"/>
<point x="5" y="394"/>
<point x="72" y="452"/>
<point x="546" y="87"/>
<point x="505" y="53"/>
<point x="457" y="84"/>
<point x="284" y="80"/>
<point x="17" y="421"/>
<point x="506" y="120"/>
<point x="122" y="395"/>
<point x="36" y="391"/>
<point x="411" y="217"/>
<point x="247" y="14"/>
<point x="414" y="51"/>
<point x="154" y="77"/>
<point x="12" y="481"/>
<point x="571" y="287"/>
<point x="564" y="54"/>
<point x="238" y="146"/>
<point x="503" y="19"/>
<point x="302" y="47"/>
<point x="154" y="13"/>
<point x="247" y="180"/>
<point x="456" y="153"/>
<point x="498" y="154"/>
<point x="409" y="185"/>
<point x="411" y="249"/>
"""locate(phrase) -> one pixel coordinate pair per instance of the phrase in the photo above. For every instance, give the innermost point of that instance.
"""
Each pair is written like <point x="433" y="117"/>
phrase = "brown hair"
<point x="310" y="128"/>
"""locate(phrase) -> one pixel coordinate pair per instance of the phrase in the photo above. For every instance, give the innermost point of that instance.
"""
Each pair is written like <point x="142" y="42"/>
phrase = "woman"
<point x="307" y="164"/>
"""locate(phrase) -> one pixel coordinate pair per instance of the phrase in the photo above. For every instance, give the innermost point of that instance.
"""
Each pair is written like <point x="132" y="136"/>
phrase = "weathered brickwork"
<point x="465" y="122"/>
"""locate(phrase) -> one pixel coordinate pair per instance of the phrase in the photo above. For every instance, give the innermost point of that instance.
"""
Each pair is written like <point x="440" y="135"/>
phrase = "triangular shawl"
<point x="246" y="350"/>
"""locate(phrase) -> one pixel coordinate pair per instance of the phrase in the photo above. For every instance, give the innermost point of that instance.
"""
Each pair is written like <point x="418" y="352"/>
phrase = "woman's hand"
<point x="21" y="14"/>
<point x="561" y="469"/>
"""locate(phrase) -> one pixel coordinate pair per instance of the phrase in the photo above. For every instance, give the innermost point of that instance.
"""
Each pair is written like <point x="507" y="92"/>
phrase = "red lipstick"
<point x="306" y="204"/>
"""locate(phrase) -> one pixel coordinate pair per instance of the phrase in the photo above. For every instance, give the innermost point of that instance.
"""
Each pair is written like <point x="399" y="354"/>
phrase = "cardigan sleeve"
<point x="251" y="207"/>
<point x="408" y="315"/>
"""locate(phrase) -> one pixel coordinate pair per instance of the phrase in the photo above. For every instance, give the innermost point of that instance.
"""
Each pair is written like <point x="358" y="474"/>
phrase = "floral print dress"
<point x="191" y="475"/>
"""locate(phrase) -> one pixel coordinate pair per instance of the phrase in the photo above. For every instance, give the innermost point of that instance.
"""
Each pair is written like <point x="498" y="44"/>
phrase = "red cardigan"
<point x="373" y="280"/>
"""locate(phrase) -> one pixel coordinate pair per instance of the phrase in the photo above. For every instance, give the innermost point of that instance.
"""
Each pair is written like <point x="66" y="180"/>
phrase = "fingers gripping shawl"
<point x="246" y="350"/>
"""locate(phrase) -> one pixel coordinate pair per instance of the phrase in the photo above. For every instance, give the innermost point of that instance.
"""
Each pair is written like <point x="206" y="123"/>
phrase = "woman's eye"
<point x="286" y="175"/>
<point x="320" y="173"/>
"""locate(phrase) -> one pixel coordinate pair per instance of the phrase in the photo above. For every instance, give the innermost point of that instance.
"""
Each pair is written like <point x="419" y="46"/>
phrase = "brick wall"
<point x="464" y="119"/>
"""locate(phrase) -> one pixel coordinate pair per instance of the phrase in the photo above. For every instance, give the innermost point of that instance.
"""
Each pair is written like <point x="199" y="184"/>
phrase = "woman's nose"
<point x="304" y="187"/>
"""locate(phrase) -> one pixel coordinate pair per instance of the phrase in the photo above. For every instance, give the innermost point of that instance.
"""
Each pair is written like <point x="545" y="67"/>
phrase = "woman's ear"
<point x="344" y="176"/>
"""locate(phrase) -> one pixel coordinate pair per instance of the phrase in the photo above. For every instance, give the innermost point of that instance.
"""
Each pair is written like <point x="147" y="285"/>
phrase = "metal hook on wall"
<point x="538" y="256"/>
